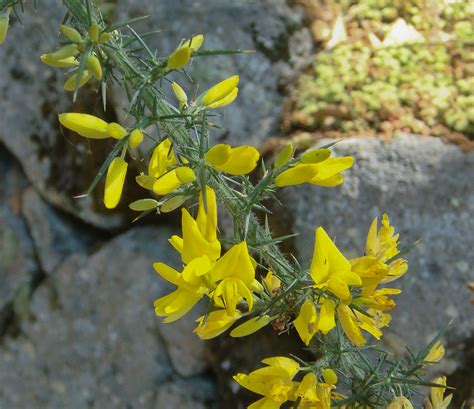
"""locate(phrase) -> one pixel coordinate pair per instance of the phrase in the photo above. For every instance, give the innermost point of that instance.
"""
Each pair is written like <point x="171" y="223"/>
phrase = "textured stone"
<point x="425" y="186"/>
<point x="270" y="27"/>
<point x="18" y="264"/>
<point x="59" y="164"/>
<point x="94" y="340"/>
<point x="55" y="234"/>
<point x="195" y="393"/>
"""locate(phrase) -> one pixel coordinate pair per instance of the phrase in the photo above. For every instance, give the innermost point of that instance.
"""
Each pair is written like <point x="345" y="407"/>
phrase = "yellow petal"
<point x="315" y="156"/>
<point x="327" y="314"/>
<point x="400" y="402"/>
<point x="218" y="154"/>
<point x="179" y="58"/>
<point x="220" y="90"/>
<point x="250" y="326"/>
<point x="436" y="353"/>
<point x="349" y="325"/>
<point x="69" y="50"/>
<point x="241" y="161"/>
<point x="195" y="42"/>
<point x="207" y="218"/>
<point x="70" y="84"/>
<point x="331" y="167"/>
<point x="306" y="323"/>
<point x="85" y="125"/>
<point x="173" y="306"/>
<point x="116" y="130"/>
<point x="215" y="323"/>
<point x="136" y="138"/>
<point x="236" y="262"/>
<point x="272" y="282"/>
<point x="167" y="183"/>
<point x="48" y="59"/>
<point x="114" y="182"/>
<point x="290" y="366"/>
<point x="329" y="376"/>
<point x="301" y="173"/>
<point x="177" y="243"/>
<point x="185" y="174"/>
<point x="167" y="272"/>
<point x="227" y="100"/>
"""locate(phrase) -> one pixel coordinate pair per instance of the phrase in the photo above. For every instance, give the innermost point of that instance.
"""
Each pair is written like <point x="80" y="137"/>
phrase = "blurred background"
<point x="391" y="79"/>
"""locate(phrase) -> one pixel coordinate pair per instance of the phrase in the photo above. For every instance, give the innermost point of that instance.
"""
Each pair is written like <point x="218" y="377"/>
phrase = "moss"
<point x="415" y="87"/>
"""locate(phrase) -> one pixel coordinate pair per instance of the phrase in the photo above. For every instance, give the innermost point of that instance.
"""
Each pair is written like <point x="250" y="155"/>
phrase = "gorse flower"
<point x="235" y="161"/>
<point x="437" y="399"/>
<point x="221" y="94"/>
<point x="400" y="402"/>
<point x="317" y="168"/>
<point x="182" y="55"/>
<point x="69" y="55"/>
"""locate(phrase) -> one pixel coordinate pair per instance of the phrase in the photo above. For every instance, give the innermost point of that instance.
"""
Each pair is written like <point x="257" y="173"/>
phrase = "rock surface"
<point x="425" y="186"/>
<point x="59" y="164"/>
<point x="94" y="340"/>
<point x="270" y="27"/>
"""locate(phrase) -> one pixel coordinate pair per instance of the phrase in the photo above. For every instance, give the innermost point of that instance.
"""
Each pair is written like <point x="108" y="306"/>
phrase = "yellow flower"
<point x="221" y="94"/>
<point x="272" y="282"/>
<point x="317" y="168"/>
<point x="235" y="161"/>
<point x="215" y="323"/>
<point x="400" y="402"/>
<point x="437" y="399"/>
<point x="250" y="326"/>
<point x="273" y="382"/>
<point x="114" y="182"/>
<point x="436" y="353"/>
<point x="235" y="273"/>
<point x="313" y="394"/>
<point x="194" y="43"/>
<point x="116" y="130"/>
<point x="85" y="125"/>
<point x="4" y="22"/>
<point x="200" y="235"/>
<point x="330" y="269"/>
<point x="70" y="50"/>
<point x="190" y="284"/>
<point x="353" y="321"/>
<point x="306" y="323"/>
<point x="179" y="58"/>
<point x="329" y="376"/>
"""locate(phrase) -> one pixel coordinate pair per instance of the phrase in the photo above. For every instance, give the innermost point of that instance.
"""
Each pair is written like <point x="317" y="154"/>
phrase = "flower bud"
<point x="180" y="95"/>
<point x="179" y="58"/>
<point x="48" y="59"/>
<point x="116" y="130"/>
<point x="195" y="42"/>
<point x="227" y="100"/>
<point x="220" y="91"/>
<point x="104" y="37"/>
<point x="85" y="125"/>
<point x="284" y="156"/>
<point x="94" y="66"/>
<point x="114" y="182"/>
<point x="329" y="376"/>
<point x="4" y="22"/>
<point x="71" y="33"/>
<point x="94" y="32"/>
<point x="69" y="50"/>
<point x="218" y="154"/>
<point x="70" y="84"/>
<point x="136" y="138"/>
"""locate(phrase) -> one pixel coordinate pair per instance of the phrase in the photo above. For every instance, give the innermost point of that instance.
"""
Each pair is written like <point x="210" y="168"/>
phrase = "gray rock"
<point x="94" y="340"/>
<point x="425" y="186"/>
<point x="195" y="393"/>
<point x="59" y="164"/>
<point x="186" y="350"/>
<point x="270" y="27"/>
<point x="55" y="235"/>
<point x="18" y="264"/>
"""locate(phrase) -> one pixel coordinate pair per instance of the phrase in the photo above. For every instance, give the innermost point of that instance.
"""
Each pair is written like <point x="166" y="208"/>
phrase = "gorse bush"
<point x="334" y="304"/>
<point x="396" y="66"/>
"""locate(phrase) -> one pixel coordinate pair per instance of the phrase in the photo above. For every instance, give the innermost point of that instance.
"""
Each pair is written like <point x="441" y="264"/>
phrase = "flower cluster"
<point x="244" y="275"/>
